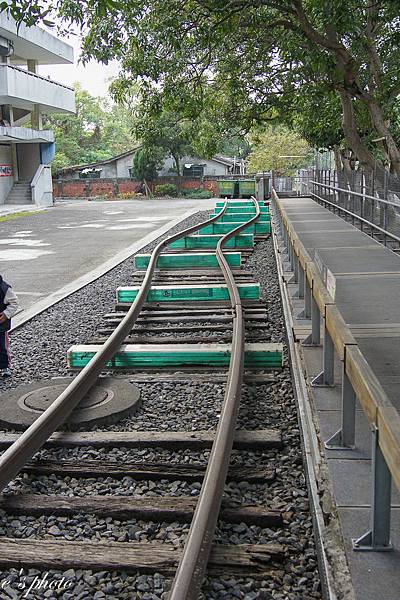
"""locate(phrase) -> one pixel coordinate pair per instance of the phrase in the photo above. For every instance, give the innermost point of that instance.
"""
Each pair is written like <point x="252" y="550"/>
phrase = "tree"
<point x="164" y="132"/>
<point x="146" y="161"/>
<point x="97" y="131"/>
<point x="278" y="149"/>
<point x="257" y="55"/>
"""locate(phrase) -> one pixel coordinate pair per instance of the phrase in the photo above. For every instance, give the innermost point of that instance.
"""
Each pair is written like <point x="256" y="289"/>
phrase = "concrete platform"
<point x="366" y="291"/>
<point x="49" y="254"/>
<point x="342" y="238"/>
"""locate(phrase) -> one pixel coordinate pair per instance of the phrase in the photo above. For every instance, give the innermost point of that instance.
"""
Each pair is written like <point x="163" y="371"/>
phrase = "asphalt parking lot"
<point x="47" y="251"/>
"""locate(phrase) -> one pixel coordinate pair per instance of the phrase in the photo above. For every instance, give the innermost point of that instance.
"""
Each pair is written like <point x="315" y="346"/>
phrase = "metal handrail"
<point x="337" y="189"/>
<point x="29" y="442"/>
<point x="359" y="218"/>
<point x="191" y="569"/>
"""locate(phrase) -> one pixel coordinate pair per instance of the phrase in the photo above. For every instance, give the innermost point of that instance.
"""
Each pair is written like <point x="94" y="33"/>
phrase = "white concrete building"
<point x="26" y="149"/>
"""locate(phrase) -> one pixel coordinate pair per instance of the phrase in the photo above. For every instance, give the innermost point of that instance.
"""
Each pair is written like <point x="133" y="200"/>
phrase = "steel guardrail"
<point x="29" y="442"/>
<point x="357" y="217"/>
<point x="358" y="194"/>
<point x="192" y="566"/>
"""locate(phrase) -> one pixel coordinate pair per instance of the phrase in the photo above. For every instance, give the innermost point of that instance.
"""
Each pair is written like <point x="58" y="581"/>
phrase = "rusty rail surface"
<point x="29" y="442"/>
<point x="193" y="563"/>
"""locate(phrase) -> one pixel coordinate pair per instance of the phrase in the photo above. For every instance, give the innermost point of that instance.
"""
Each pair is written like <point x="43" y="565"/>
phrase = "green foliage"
<point x="197" y="193"/>
<point x="97" y="131"/>
<point x="252" y="62"/>
<point x="278" y="149"/>
<point x="166" y="189"/>
<point x="145" y="163"/>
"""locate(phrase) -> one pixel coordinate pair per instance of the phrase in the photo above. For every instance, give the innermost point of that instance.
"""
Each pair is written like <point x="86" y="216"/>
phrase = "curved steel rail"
<point x="29" y="442"/>
<point x="193" y="563"/>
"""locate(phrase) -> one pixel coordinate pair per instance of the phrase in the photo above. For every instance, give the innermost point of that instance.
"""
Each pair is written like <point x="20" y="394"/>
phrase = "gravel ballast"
<point x="172" y="407"/>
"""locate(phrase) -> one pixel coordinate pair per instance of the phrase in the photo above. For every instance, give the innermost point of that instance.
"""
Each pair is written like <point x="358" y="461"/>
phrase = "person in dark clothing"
<point x="8" y="307"/>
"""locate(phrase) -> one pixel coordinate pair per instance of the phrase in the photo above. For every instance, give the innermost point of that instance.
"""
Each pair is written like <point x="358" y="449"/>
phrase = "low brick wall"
<point x="86" y="188"/>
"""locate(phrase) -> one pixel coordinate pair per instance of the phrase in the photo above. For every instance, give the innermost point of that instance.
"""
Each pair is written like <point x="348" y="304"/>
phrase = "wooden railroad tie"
<point x="261" y="439"/>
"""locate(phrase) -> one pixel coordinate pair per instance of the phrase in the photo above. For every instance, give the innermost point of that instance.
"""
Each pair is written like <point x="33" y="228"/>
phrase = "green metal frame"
<point x="262" y="356"/>
<point x="186" y="261"/>
<point x="199" y="293"/>
<point x="211" y="241"/>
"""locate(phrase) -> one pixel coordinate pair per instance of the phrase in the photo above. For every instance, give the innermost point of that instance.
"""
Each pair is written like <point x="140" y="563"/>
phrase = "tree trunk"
<point x="383" y="130"/>
<point x="353" y="138"/>
<point x="338" y="160"/>
<point x="177" y="164"/>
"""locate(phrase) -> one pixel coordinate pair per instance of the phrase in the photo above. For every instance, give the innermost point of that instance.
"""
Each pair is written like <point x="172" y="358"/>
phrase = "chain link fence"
<point x="375" y="198"/>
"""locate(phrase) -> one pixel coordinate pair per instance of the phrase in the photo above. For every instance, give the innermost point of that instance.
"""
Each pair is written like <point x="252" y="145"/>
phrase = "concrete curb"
<point x="39" y="307"/>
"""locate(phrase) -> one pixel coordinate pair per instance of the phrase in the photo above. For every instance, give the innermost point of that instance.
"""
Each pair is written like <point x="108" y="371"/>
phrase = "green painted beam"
<point x="211" y="241"/>
<point x="235" y="203"/>
<point x="257" y="355"/>
<point x="243" y="217"/>
<point x="224" y="228"/>
<point x="241" y="209"/>
<point x="199" y="293"/>
<point x="187" y="261"/>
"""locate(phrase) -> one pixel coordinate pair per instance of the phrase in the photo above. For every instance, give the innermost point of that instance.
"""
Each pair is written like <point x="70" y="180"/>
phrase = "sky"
<point x="92" y="77"/>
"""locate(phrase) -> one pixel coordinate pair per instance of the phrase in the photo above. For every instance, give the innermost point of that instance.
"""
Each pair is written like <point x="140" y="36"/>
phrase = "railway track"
<point x="214" y="349"/>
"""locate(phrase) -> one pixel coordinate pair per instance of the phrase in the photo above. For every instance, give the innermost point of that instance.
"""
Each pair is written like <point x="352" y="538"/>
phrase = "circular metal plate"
<point x="110" y="400"/>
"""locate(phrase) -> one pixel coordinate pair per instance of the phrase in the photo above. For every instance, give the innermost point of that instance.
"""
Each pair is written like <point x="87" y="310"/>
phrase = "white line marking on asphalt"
<point x="36" y="294"/>
<point x="19" y="254"/>
<point x="150" y="218"/>
<point x="131" y="226"/>
<point x="23" y="242"/>
<point x="82" y="226"/>
<point x="73" y="286"/>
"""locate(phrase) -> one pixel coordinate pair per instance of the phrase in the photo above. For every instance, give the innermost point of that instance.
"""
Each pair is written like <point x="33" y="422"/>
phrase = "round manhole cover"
<point x="110" y="400"/>
<point x="39" y="400"/>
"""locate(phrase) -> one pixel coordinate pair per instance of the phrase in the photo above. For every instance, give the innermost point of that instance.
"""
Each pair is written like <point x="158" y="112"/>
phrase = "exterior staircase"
<point x="20" y="193"/>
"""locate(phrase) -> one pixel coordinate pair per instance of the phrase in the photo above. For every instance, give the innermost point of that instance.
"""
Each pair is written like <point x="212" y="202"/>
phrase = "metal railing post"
<point x="314" y="339"/>
<point x="295" y="267"/>
<point x="344" y="438"/>
<point x="378" y="536"/>
<point x="327" y="376"/>
<point x="301" y="280"/>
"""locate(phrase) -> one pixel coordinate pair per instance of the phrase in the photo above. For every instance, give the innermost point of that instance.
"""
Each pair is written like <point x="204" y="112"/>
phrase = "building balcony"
<point x="24" y="89"/>
<point x="25" y="135"/>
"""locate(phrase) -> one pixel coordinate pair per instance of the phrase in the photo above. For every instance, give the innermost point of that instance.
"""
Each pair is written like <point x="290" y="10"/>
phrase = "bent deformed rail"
<point x="192" y="566"/>
<point x="29" y="442"/>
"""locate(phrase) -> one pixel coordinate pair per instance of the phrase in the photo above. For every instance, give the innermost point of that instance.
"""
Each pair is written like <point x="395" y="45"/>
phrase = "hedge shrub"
<point x="166" y="189"/>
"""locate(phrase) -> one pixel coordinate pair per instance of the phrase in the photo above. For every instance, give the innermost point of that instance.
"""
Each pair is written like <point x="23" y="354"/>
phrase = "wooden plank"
<point x="244" y="560"/>
<point x="338" y="330"/>
<point x="191" y="319"/>
<point x="197" y="318"/>
<point x="260" y="439"/>
<point x="388" y="422"/>
<point x="304" y="257"/>
<point x="366" y="386"/>
<point x="164" y="508"/>
<point x="124" y="306"/>
<point x="188" y="339"/>
<point x="142" y="470"/>
<point x="190" y="309"/>
<point x="199" y="376"/>
<point x="321" y="296"/>
<point x="184" y="328"/>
